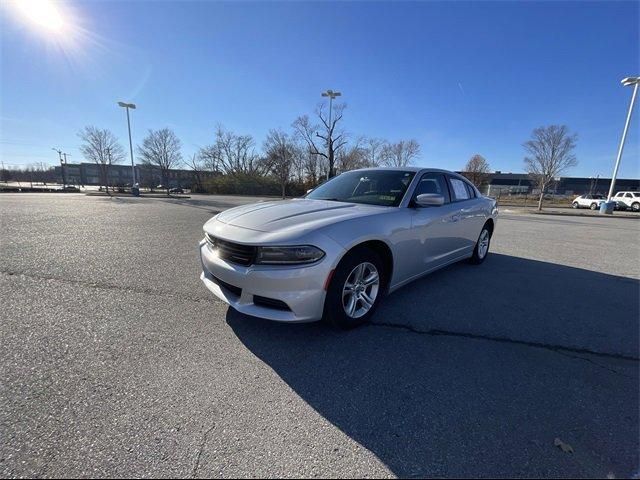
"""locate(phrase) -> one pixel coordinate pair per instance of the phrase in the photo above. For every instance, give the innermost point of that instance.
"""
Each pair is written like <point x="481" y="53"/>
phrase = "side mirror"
<point x="309" y="191"/>
<point x="429" y="200"/>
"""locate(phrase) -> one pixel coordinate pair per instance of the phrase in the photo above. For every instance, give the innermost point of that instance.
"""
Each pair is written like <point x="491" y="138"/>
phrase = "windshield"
<point x="373" y="187"/>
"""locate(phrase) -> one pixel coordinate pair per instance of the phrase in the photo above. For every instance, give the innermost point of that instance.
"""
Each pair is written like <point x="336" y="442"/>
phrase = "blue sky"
<point x="461" y="78"/>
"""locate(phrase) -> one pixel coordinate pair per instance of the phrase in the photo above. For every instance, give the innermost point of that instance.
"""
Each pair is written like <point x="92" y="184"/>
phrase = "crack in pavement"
<point x="196" y="466"/>
<point x="560" y="349"/>
<point x="559" y="352"/>
<point x="552" y="347"/>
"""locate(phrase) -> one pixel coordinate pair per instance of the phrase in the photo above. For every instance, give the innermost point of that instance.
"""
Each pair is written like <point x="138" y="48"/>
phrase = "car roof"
<point x="406" y="169"/>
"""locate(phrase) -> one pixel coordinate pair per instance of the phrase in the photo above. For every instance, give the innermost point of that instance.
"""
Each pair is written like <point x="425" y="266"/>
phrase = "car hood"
<point x="300" y="215"/>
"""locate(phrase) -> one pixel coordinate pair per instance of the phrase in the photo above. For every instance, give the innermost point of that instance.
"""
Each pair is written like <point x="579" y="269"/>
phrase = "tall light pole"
<point x="331" y="94"/>
<point x="64" y="180"/>
<point x="127" y="106"/>
<point x="626" y="82"/>
<point x="65" y="165"/>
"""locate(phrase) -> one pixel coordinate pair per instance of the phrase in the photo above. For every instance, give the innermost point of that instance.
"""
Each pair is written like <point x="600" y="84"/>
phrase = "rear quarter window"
<point x="460" y="189"/>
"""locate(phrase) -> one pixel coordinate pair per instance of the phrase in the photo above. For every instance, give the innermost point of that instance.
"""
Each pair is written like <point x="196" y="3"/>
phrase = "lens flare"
<point x="43" y="14"/>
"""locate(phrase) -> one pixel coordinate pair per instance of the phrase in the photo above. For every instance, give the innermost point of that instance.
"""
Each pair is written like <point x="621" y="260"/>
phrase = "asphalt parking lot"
<point x="116" y="361"/>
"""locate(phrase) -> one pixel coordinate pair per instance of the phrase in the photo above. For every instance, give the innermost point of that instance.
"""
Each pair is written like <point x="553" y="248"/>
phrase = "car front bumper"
<point x="301" y="288"/>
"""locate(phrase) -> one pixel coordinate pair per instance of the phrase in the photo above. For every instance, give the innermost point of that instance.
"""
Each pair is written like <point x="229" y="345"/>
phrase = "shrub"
<point x="245" y="184"/>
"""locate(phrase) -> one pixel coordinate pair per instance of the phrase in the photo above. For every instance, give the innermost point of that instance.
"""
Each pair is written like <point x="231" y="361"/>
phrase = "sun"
<point x="43" y="14"/>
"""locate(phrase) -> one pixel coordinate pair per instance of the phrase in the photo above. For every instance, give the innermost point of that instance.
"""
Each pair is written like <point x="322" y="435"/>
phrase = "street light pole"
<point x="127" y="106"/>
<point x="65" y="166"/>
<point x="64" y="186"/>
<point x="331" y="94"/>
<point x="626" y="82"/>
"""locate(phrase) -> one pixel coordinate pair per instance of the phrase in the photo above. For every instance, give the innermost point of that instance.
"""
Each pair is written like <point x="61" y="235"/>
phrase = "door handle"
<point x="455" y="217"/>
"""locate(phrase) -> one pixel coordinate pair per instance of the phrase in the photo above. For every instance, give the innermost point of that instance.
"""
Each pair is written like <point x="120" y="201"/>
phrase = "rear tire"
<point x="593" y="206"/>
<point x="482" y="245"/>
<point x="355" y="289"/>
<point x="635" y="206"/>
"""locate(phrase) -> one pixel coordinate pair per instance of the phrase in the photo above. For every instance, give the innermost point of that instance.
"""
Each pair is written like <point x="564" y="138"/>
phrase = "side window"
<point x="433" y="183"/>
<point x="628" y="195"/>
<point x="459" y="189"/>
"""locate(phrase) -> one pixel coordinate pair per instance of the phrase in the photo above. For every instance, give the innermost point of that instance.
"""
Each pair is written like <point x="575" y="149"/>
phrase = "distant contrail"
<point x="461" y="89"/>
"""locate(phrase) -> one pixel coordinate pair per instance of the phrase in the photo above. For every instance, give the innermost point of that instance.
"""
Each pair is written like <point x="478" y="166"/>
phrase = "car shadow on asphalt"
<point x="463" y="373"/>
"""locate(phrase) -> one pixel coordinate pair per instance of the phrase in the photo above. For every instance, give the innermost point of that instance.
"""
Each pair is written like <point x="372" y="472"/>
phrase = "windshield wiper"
<point x="330" y="199"/>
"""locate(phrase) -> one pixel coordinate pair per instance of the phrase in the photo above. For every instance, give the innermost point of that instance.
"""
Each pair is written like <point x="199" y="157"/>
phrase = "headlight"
<point x="288" y="255"/>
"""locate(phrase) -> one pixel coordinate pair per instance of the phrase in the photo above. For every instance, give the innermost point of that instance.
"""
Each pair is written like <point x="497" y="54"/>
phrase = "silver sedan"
<point x="334" y="254"/>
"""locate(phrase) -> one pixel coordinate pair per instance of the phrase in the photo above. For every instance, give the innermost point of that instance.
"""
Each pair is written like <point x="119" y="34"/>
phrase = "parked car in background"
<point x="588" y="201"/>
<point x="334" y="253"/>
<point x="627" y="200"/>
<point x="176" y="190"/>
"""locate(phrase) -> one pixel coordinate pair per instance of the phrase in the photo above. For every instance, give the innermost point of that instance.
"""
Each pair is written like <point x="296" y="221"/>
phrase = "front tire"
<point x="593" y="206"/>
<point x="482" y="246"/>
<point x="355" y="289"/>
<point x="575" y="205"/>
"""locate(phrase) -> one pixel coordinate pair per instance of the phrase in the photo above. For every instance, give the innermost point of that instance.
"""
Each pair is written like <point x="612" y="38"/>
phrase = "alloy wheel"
<point x="360" y="290"/>
<point x="483" y="243"/>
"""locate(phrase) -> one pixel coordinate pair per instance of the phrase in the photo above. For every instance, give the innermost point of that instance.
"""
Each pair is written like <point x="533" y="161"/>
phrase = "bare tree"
<point x="197" y="165"/>
<point x="352" y="157"/>
<point x="400" y="154"/>
<point x="477" y="170"/>
<point x="232" y="154"/>
<point x="373" y="151"/>
<point x="210" y="157"/>
<point x="550" y="152"/>
<point x="313" y="165"/>
<point x="326" y="134"/>
<point x="101" y="147"/>
<point x="298" y="167"/>
<point x="161" y="149"/>
<point x="280" y="154"/>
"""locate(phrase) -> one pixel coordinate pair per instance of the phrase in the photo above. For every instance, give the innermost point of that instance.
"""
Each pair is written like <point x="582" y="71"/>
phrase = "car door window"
<point x="459" y="189"/>
<point x="628" y="195"/>
<point x="433" y="183"/>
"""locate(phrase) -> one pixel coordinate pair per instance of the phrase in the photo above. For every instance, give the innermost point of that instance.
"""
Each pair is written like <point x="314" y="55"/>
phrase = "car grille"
<point x="233" y="252"/>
